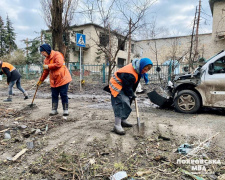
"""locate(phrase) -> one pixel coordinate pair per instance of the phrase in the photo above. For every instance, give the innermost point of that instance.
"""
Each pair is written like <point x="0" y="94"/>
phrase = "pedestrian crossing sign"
<point x="80" y="40"/>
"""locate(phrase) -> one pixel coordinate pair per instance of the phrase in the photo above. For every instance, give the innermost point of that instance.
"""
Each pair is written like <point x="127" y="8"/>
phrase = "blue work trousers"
<point x="18" y="85"/>
<point x="121" y="105"/>
<point x="62" y="90"/>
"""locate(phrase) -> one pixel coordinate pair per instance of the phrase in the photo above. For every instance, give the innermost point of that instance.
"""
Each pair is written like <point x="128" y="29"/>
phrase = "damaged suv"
<point x="204" y="87"/>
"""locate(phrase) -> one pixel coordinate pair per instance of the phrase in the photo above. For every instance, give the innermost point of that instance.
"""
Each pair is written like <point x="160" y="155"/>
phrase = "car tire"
<point x="187" y="101"/>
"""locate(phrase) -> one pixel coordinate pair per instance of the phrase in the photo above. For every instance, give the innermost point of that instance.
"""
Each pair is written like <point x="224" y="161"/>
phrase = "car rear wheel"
<point x="187" y="101"/>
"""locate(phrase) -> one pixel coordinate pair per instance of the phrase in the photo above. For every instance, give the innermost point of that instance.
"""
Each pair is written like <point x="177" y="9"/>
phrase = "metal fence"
<point x="100" y="72"/>
<point x="31" y="71"/>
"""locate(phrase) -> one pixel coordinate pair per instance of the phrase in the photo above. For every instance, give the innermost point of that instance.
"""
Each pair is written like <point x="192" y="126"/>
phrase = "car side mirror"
<point x="211" y="69"/>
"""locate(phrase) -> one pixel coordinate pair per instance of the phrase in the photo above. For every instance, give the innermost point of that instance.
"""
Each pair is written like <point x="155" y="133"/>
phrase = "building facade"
<point x="161" y="49"/>
<point x="97" y="41"/>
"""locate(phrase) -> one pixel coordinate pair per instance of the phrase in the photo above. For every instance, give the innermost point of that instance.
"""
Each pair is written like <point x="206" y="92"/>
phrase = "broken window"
<point x="120" y="62"/>
<point x="121" y="44"/>
<point x="104" y="39"/>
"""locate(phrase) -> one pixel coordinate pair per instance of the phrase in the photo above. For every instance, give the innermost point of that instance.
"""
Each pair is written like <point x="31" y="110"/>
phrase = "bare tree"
<point x="151" y="31"/>
<point x="58" y="15"/>
<point x="115" y="18"/>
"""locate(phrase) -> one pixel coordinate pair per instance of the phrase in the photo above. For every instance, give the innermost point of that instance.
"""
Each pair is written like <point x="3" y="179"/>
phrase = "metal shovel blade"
<point x="32" y="105"/>
<point x="139" y="129"/>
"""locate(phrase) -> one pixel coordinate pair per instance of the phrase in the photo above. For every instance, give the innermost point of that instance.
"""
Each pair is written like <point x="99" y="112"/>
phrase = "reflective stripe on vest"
<point x="115" y="83"/>
<point x="117" y="80"/>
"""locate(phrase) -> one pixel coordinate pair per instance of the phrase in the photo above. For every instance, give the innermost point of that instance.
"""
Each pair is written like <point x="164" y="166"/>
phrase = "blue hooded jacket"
<point x="129" y="85"/>
<point x="139" y="65"/>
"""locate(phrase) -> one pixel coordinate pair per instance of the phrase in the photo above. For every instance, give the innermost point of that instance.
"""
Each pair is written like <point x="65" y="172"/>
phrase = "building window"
<point x="104" y="39"/>
<point x="121" y="62"/>
<point x="121" y="44"/>
<point x="75" y="32"/>
<point x="132" y="48"/>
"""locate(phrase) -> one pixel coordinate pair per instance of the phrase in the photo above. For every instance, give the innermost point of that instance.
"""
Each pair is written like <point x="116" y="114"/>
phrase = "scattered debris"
<point x="7" y="134"/>
<point x="30" y="145"/>
<point x="164" y="132"/>
<point x="142" y="173"/>
<point x="19" y="118"/>
<point x="191" y="175"/>
<point x="65" y="169"/>
<point x="222" y="177"/>
<point x="19" y="154"/>
<point x="119" y="175"/>
<point x="4" y="130"/>
<point x="184" y="148"/>
<point x="23" y="126"/>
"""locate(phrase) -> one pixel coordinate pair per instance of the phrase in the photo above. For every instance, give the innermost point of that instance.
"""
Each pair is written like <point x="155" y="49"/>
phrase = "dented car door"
<point x="213" y="83"/>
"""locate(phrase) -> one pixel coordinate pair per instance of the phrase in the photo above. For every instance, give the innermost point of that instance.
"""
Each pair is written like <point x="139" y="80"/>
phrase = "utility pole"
<point x="195" y="33"/>
<point x="192" y="37"/>
<point x="197" y="28"/>
<point x="27" y="46"/>
<point x="41" y="37"/>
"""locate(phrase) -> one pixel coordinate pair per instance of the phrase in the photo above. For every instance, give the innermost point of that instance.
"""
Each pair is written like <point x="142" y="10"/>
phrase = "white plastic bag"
<point x="119" y="175"/>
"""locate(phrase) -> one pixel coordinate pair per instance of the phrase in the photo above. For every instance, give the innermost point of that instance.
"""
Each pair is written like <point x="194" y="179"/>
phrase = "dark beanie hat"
<point x="46" y="47"/>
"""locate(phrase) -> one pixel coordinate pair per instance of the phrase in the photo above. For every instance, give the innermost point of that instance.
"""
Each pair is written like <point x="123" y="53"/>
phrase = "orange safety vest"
<point x="9" y="66"/>
<point x="115" y="83"/>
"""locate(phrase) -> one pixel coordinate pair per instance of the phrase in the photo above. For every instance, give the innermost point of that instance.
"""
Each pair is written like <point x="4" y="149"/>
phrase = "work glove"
<point x="39" y="83"/>
<point x="132" y="98"/>
<point x="45" y="66"/>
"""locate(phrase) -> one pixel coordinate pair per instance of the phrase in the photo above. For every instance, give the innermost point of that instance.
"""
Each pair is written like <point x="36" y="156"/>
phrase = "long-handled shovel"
<point x="139" y="129"/>
<point x="31" y="105"/>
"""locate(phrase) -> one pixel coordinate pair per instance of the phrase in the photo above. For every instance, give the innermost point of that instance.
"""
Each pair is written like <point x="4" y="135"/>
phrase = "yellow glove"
<point x="45" y="66"/>
<point x="39" y="83"/>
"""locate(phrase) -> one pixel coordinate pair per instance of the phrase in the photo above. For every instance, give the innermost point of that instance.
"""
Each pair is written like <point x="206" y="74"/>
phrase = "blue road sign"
<point x="80" y="40"/>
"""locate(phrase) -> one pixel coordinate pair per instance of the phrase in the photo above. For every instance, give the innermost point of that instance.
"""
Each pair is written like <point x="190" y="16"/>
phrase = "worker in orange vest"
<point x="122" y="86"/>
<point x="60" y="77"/>
<point x="13" y="77"/>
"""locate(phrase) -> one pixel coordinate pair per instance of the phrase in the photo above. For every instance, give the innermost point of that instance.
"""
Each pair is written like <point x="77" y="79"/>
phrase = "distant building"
<point x="174" y="48"/>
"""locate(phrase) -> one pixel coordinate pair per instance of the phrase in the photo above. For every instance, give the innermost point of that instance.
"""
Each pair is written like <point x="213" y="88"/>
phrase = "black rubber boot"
<point x="9" y="99"/>
<point x="54" y="109"/>
<point x="65" y="109"/>
<point x="124" y="123"/>
<point x="25" y="95"/>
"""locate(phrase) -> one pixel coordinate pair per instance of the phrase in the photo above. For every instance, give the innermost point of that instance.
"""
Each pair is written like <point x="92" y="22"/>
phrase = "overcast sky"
<point x="175" y="15"/>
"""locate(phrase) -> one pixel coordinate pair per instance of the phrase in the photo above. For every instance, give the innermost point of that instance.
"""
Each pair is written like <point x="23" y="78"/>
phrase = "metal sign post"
<point x="80" y="69"/>
<point x="81" y="42"/>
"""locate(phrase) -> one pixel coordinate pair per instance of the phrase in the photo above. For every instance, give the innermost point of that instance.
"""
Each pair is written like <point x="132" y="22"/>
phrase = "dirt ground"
<point x="83" y="146"/>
